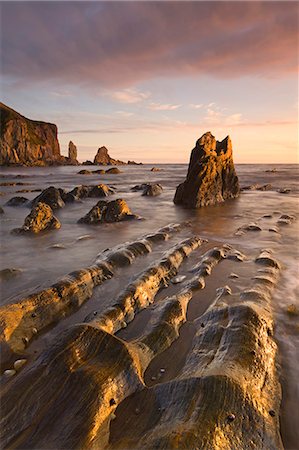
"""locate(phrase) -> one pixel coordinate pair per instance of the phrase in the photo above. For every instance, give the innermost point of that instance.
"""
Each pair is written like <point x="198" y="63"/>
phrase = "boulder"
<point x="41" y="218"/>
<point x="51" y="196"/>
<point x="114" y="211"/>
<point x="152" y="190"/>
<point x="99" y="171"/>
<point x="102" y="158"/>
<point x="113" y="170"/>
<point x="211" y="176"/>
<point x="27" y="142"/>
<point x="156" y="169"/>
<point x="100" y="191"/>
<point x="133" y="163"/>
<point x="18" y="201"/>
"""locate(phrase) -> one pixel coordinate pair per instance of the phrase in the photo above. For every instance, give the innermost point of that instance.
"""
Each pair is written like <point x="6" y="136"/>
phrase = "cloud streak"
<point x="117" y="44"/>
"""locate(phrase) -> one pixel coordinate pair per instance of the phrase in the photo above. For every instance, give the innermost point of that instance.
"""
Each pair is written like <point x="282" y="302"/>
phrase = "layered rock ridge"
<point x="211" y="176"/>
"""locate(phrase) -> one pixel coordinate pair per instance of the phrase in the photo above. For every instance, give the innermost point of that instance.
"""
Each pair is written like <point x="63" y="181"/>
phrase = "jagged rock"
<point x="51" y="196"/>
<point x="41" y="218"/>
<point x="18" y="201"/>
<point x="85" y="172"/>
<point x="211" y="176"/>
<point x="27" y="142"/>
<point x="87" y="163"/>
<point x="114" y="211"/>
<point x="113" y="170"/>
<point x="134" y="163"/>
<point x="102" y="158"/>
<point x="72" y="153"/>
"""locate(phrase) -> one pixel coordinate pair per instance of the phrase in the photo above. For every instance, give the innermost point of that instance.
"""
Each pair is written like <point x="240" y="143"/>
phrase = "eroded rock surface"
<point x="211" y="176"/>
<point x="41" y="218"/>
<point x="72" y="153"/>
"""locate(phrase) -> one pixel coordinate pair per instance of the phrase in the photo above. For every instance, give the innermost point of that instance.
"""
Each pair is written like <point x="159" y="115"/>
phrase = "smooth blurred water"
<point x="42" y="265"/>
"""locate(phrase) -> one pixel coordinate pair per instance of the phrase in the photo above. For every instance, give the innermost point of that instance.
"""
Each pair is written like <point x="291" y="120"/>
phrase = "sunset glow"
<point x="146" y="79"/>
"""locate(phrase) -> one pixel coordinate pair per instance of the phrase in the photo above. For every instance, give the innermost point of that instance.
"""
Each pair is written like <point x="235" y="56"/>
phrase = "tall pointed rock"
<point x="211" y="176"/>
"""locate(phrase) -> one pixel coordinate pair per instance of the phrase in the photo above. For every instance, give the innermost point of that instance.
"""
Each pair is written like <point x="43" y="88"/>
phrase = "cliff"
<point x="27" y="142"/>
<point x="104" y="159"/>
<point x="211" y="176"/>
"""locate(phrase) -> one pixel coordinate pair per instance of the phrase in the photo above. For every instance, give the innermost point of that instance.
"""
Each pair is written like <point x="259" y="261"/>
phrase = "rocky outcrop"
<point x="72" y="154"/>
<point x="27" y="142"/>
<point x="114" y="211"/>
<point x="41" y="218"/>
<point x="211" y="176"/>
<point x="102" y="158"/>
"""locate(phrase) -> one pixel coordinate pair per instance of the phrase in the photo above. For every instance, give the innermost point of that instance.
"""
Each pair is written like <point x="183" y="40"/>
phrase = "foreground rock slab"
<point x="211" y="176"/>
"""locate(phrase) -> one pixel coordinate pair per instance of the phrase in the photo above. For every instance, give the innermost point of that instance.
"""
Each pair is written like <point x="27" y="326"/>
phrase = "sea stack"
<point x="104" y="159"/>
<point x="211" y="176"/>
<point x="72" y="154"/>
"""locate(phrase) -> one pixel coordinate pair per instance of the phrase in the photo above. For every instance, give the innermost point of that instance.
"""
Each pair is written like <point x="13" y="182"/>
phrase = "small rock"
<point x="292" y="310"/>
<point x="19" y="363"/>
<point x="153" y="378"/>
<point x="225" y="290"/>
<point x="233" y="275"/>
<point x="156" y="169"/>
<point x="84" y="172"/>
<point x="1" y="210"/>
<point x="231" y="417"/>
<point x="57" y="246"/>
<point x="9" y="273"/>
<point x="34" y="331"/>
<point x="162" y="370"/>
<point x="9" y="373"/>
<point x="178" y="279"/>
<point x="113" y="170"/>
<point x="17" y="201"/>
<point x="33" y="314"/>
<point x="25" y="340"/>
<point x="113" y="416"/>
<point x="284" y="191"/>
<point x="112" y="402"/>
<point x="272" y="413"/>
<point x="137" y="411"/>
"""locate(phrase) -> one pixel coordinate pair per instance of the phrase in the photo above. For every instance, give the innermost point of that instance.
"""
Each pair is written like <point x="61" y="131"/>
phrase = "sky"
<point x="147" y="79"/>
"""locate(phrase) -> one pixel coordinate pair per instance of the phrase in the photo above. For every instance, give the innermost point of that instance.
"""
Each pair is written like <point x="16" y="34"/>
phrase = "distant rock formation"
<point x="27" y="142"/>
<point x="102" y="158"/>
<point x="72" y="154"/>
<point x="211" y="176"/>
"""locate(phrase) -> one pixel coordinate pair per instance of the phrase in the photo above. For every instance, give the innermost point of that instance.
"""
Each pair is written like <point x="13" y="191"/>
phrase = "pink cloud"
<point x="116" y="44"/>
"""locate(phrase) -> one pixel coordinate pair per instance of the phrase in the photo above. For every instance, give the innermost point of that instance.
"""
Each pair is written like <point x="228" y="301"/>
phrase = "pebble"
<point x="231" y="417"/>
<point x="34" y="330"/>
<point x="9" y="373"/>
<point x="33" y="315"/>
<point x="19" y="363"/>
<point x="162" y="370"/>
<point x="25" y="340"/>
<point x="178" y="279"/>
<point x="233" y="275"/>
<point x="153" y="378"/>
